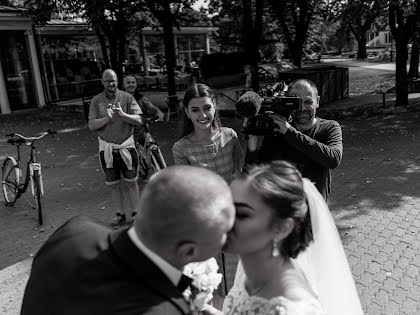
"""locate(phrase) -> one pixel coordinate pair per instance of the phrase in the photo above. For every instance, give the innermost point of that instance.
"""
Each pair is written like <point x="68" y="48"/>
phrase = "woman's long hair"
<point x="196" y="90"/>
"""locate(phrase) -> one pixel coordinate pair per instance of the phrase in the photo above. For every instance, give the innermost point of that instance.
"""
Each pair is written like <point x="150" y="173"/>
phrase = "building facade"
<point x="20" y="76"/>
<point x="63" y="59"/>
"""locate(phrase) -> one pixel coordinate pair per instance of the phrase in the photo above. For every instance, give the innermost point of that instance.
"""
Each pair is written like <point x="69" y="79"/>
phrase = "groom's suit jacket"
<point x="87" y="268"/>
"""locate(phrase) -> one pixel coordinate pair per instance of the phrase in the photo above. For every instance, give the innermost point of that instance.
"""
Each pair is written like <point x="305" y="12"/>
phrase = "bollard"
<point x="383" y="90"/>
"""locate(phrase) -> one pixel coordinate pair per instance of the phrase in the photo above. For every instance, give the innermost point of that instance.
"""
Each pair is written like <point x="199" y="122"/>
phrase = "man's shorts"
<point x="113" y="175"/>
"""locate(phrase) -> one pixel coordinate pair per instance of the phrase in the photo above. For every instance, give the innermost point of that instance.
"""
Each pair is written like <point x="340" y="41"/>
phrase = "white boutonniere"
<point x="205" y="280"/>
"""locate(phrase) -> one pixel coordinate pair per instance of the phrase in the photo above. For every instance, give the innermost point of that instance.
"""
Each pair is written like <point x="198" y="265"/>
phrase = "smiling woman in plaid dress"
<point x="204" y="142"/>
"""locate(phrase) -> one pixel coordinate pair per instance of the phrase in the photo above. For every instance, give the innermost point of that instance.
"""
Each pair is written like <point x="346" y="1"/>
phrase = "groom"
<point x="87" y="268"/>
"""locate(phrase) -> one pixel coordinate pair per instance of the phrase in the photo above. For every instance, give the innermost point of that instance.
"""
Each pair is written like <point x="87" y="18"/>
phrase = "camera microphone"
<point x="248" y="104"/>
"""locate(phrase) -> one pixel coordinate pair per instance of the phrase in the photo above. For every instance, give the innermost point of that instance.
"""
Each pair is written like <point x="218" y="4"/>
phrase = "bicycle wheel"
<point x="10" y="180"/>
<point x="158" y="162"/>
<point x="37" y="194"/>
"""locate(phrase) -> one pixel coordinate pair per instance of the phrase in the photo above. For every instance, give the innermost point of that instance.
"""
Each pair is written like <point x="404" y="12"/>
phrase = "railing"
<point x="226" y="96"/>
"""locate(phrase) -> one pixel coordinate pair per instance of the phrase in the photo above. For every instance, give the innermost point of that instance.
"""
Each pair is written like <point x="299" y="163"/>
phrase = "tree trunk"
<point x="401" y="79"/>
<point x="168" y="40"/>
<point x="252" y="30"/>
<point x="361" y="47"/>
<point x="296" y="54"/>
<point x="167" y="22"/>
<point x="113" y="53"/>
<point x="122" y="51"/>
<point x="414" y="59"/>
<point x="104" y="48"/>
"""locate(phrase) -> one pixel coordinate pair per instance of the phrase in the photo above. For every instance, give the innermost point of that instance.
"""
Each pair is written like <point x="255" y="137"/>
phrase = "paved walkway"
<point x="375" y="202"/>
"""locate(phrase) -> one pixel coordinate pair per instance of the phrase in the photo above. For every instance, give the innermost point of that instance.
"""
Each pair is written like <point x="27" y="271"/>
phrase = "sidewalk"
<point x="375" y="199"/>
<point x="366" y="105"/>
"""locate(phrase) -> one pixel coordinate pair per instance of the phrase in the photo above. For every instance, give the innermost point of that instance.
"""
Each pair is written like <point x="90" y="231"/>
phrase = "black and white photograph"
<point x="210" y="157"/>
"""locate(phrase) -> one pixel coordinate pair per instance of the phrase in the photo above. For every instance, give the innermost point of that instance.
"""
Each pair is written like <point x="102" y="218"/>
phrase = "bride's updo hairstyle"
<point x="280" y="185"/>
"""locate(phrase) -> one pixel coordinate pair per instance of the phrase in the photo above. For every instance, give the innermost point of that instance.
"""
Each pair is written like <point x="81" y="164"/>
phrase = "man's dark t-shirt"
<point x="315" y="152"/>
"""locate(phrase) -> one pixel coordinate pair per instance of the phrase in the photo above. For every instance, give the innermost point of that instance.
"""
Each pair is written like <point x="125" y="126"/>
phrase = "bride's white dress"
<point x="239" y="302"/>
<point x="324" y="265"/>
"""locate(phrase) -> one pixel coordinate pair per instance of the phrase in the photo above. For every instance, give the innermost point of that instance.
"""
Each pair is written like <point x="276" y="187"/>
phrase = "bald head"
<point x="302" y="84"/>
<point x="128" y="77"/>
<point x="108" y="73"/>
<point x="184" y="203"/>
<point x="130" y="84"/>
<point x="110" y="81"/>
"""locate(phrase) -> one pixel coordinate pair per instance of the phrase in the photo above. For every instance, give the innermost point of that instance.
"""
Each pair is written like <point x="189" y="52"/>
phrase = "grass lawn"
<point x="366" y="80"/>
<point x="363" y="80"/>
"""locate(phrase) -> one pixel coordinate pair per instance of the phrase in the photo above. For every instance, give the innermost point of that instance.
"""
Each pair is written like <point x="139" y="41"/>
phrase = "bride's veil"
<point x="324" y="262"/>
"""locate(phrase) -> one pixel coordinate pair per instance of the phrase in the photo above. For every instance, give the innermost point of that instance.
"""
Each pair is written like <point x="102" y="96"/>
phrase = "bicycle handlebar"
<point x="150" y="120"/>
<point x="47" y="132"/>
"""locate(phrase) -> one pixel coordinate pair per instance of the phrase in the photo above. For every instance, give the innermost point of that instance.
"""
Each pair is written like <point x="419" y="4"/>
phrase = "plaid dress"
<point x="224" y="157"/>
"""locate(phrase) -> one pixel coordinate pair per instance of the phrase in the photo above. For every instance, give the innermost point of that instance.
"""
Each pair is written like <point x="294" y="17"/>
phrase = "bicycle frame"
<point x="150" y="144"/>
<point x="13" y="185"/>
<point x="31" y="166"/>
<point x="150" y="155"/>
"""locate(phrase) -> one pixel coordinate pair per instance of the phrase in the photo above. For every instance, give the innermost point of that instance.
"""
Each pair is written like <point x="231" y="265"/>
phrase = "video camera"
<point x="256" y="107"/>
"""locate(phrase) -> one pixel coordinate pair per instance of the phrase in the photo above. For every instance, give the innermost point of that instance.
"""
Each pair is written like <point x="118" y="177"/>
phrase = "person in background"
<point x="314" y="145"/>
<point x="205" y="143"/>
<point x="147" y="107"/>
<point x="112" y="115"/>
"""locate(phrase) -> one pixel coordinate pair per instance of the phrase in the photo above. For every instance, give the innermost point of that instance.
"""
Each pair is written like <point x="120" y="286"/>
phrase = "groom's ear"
<point x="186" y="251"/>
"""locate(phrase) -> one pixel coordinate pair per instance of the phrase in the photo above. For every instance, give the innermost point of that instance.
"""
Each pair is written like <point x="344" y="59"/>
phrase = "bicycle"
<point x="150" y="155"/>
<point x="12" y="184"/>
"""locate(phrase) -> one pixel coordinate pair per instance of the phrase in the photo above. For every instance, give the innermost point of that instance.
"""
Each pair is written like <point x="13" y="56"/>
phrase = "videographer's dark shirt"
<point x="315" y="152"/>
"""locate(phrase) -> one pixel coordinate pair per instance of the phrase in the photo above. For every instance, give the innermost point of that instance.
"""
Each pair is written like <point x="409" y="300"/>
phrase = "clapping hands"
<point x="115" y="111"/>
<point x="110" y="111"/>
<point x="118" y="110"/>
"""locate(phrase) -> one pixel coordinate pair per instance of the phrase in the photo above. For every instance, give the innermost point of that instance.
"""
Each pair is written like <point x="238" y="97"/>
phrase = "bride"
<point x="281" y="270"/>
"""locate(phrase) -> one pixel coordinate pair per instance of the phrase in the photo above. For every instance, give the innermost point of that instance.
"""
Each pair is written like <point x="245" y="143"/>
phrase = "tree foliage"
<point x="242" y="27"/>
<point x="359" y="15"/>
<point x="12" y="3"/>
<point x="167" y="13"/>
<point x="226" y="15"/>
<point x="294" y="17"/>
<point x="191" y="17"/>
<point x="112" y="21"/>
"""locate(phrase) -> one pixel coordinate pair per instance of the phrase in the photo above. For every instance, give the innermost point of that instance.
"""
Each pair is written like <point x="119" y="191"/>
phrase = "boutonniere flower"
<point x="205" y="280"/>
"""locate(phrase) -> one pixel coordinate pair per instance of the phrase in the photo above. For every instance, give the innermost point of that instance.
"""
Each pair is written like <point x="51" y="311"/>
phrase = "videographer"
<point x="313" y="144"/>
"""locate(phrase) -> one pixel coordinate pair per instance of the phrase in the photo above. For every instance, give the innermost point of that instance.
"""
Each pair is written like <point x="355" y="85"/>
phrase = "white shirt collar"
<point x="170" y="271"/>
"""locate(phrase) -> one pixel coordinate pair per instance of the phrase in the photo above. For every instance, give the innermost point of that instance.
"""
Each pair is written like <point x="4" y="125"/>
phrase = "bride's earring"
<point x="275" y="252"/>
